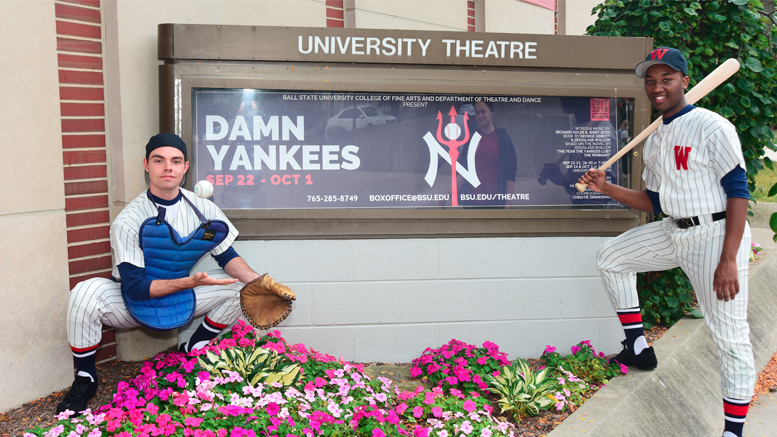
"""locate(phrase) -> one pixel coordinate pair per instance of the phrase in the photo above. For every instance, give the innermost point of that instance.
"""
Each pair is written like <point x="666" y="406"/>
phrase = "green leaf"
<point x="695" y="313"/>
<point x="753" y="64"/>
<point x="739" y="2"/>
<point x="745" y="102"/>
<point x="745" y="85"/>
<point x="773" y="222"/>
<point x="664" y="25"/>
<point x="772" y="192"/>
<point x="691" y="12"/>
<point x="726" y="112"/>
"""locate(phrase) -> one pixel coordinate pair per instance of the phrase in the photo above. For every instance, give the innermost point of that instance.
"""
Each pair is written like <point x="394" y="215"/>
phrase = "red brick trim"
<point x="76" y="29"/>
<point x="89" y="249"/>
<point x="86" y="172"/>
<point x="470" y="16"/>
<point x="81" y="77"/>
<point x="84" y="153"/>
<point x="87" y="218"/>
<point x="81" y="203"/>
<point x="86" y="234"/>
<point x="83" y="125"/>
<point x="86" y="187"/>
<point x="335" y="13"/>
<point x="82" y="109"/>
<point x="74" y="141"/>
<point x="77" y="13"/>
<point x="69" y="93"/>
<point x="77" y="61"/>
<point x="79" y="45"/>
<point x="92" y="3"/>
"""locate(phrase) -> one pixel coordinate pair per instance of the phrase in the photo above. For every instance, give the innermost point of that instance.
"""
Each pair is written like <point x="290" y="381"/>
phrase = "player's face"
<point x="665" y="87"/>
<point x="166" y="167"/>
<point x="484" y="116"/>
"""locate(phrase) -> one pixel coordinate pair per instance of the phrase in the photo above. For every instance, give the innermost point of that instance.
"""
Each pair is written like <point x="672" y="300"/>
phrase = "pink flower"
<point x="320" y="382"/>
<point x="549" y="349"/>
<point x="624" y="369"/>
<point x="415" y="372"/>
<point x="452" y="380"/>
<point x="466" y="427"/>
<point x="401" y="408"/>
<point x="575" y="350"/>
<point x="273" y="409"/>
<point x="457" y="393"/>
<point x="377" y="432"/>
<point x="489" y="409"/>
<point x="418" y="412"/>
<point x="482" y="360"/>
<point x="469" y="406"/>
<point x="437" y="411"/>
<point x="193" y="421"/>
<point x="420" y="431"/>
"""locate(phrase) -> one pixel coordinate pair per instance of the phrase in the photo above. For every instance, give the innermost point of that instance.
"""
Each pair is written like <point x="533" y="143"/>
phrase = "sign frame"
<point x="197" y="64"/>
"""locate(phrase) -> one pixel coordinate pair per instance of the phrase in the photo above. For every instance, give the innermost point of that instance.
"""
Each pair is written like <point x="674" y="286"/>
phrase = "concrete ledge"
<point x="682" y="396"/>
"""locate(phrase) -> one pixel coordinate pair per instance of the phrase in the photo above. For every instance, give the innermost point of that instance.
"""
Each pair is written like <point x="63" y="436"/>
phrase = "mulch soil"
<point x="41" y="411"/>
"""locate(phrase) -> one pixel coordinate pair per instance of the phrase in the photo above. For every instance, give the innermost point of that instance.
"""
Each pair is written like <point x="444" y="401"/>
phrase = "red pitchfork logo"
<point x="453" y="145"/>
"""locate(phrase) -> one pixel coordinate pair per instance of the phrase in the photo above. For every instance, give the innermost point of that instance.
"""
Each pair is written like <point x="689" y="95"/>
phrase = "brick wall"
<point x="335" y="13"/>
<point x="470" y="15"/>
<point x="80" y="49"/>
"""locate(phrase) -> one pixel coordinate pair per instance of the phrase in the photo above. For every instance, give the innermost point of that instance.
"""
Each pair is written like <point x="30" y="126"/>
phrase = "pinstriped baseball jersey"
<point x="125" y="241"/>
<point x="686" y="159"/>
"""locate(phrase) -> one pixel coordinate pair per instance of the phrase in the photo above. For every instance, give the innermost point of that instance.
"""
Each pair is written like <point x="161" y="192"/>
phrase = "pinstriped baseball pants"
<point x="661" y="246"/>
<point x="98" y="301"/>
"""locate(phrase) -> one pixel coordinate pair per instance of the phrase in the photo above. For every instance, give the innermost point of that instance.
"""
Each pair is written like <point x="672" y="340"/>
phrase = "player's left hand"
<point x="726" y="280"/>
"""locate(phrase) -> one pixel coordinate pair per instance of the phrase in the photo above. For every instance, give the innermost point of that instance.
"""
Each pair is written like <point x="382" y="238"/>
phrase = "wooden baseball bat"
<point x="709" y="83"/>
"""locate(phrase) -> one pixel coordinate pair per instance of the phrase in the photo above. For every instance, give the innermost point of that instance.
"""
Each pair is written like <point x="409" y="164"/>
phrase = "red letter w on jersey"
<point x="658" y="53"/>
<point x="681" y="157"/>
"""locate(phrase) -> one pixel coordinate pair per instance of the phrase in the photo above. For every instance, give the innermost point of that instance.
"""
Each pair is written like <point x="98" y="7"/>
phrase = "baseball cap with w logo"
<point x="663" y="55"/>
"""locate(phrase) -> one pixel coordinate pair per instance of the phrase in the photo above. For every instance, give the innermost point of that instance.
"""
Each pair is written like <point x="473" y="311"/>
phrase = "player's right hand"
<point x="202" y="278"/>
<point x="595" y="179"/>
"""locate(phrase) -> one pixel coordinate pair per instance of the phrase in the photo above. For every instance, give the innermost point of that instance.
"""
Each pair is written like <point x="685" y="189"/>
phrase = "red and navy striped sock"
<point x="734" y="411"/>
<point x="206" y="332"/>
<point x="85" y="361"/>
<point x="631" y="320"/>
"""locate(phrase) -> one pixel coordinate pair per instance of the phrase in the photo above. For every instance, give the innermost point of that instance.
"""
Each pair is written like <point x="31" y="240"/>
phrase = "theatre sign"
<point x="429" y="123"/>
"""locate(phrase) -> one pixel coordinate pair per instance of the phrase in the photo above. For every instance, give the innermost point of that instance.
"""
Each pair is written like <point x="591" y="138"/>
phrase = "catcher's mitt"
<point x="266" y="303"/>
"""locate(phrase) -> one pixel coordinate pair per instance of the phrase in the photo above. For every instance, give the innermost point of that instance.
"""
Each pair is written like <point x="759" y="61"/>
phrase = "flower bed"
<point x="242" y="385"/>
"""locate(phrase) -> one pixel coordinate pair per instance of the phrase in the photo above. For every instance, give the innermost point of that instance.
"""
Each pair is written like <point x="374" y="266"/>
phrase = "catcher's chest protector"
<point x="169" y="256"/>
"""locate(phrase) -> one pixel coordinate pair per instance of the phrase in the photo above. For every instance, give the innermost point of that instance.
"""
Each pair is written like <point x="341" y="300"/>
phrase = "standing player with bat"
<point x="694" y="173"/>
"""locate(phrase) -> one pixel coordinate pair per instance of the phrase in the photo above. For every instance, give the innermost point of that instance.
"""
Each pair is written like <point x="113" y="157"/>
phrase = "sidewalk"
<point x="682" y="396"/>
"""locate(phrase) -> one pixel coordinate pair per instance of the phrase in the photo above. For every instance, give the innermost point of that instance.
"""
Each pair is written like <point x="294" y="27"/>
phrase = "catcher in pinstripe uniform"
<point x="156" y="240"/>
<point x="695" y="175"/>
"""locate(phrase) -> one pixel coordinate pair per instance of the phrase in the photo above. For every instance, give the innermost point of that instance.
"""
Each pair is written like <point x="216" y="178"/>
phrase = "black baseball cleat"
<point x="646" y="360"/>
<point x="76" y="399"/>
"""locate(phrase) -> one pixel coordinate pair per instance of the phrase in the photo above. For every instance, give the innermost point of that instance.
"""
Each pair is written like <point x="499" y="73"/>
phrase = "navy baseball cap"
<point x="165" y="140"/>
<point x="663" y="55"/>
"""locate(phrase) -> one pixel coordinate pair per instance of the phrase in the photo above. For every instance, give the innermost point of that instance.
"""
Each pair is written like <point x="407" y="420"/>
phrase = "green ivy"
<point x="664" y="297"/>
<point x="708" y="33"/>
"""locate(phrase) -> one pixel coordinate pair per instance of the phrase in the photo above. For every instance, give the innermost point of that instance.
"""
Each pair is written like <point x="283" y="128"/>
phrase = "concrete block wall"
<point x="388" y="300"/>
